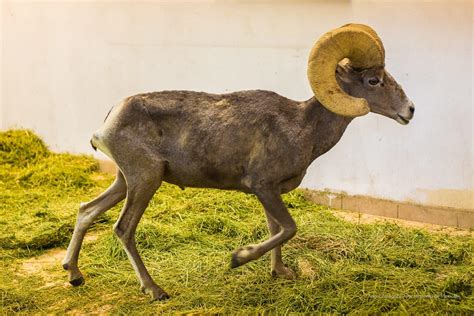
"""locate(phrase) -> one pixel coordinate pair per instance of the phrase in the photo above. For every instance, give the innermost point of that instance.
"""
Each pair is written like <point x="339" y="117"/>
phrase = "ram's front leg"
<point x="283" y="231"/>
<point x="278" y="268"/>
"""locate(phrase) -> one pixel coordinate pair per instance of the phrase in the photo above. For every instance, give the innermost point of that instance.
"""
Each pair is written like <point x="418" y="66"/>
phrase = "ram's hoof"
<point x="284" y="273"/>
<point x="242" y="256"/>
<point x="78" y="281"/>
<point x="163" y="296"/>
<point x="156" y="293"/>
<point x="234" y="261"/>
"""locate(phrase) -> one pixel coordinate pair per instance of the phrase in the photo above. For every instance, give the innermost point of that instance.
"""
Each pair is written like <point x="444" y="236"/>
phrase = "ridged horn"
<point x="362" y="46"/>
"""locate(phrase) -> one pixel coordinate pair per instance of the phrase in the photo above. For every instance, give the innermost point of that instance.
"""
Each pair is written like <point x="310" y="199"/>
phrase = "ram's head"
<point x="347" y="74"/>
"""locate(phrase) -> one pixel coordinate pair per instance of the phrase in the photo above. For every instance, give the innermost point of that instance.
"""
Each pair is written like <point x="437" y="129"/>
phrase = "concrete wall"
<point x="64" y="64"/>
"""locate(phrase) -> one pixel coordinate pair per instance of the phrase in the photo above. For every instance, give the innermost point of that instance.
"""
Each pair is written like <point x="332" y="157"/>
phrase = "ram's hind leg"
<point x="88" y="212"/>
<point x="142" y="184"/>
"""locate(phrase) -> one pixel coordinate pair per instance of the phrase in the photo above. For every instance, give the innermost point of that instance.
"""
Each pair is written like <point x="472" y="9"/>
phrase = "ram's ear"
<point x="346" y="73"/>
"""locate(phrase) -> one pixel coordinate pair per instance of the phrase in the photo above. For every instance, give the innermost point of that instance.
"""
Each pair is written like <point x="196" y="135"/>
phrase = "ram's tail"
<point x="99" y="138"/>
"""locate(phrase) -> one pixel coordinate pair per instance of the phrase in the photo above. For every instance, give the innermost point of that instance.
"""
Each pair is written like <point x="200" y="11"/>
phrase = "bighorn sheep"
<point x="253" y="141"/>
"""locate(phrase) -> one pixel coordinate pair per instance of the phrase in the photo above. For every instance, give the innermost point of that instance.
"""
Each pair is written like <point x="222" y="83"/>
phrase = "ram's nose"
<point x="411" y="110"/>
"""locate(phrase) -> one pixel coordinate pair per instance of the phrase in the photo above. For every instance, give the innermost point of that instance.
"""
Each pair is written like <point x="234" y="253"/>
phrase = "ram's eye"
<point x="373" y="82"/>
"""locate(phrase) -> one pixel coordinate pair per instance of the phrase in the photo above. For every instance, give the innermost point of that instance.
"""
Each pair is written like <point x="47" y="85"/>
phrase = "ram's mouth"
<point x="400" y="119"/>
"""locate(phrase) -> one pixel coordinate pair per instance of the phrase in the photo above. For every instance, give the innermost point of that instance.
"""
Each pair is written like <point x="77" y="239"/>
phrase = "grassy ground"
<point x="186" y="238"/>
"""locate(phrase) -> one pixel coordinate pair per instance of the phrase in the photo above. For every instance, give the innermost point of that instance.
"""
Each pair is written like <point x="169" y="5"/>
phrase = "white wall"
<point x="64" y="64"/>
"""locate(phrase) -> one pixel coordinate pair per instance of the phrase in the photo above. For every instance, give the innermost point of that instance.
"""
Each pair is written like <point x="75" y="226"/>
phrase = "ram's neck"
<point x="326" y="127"/>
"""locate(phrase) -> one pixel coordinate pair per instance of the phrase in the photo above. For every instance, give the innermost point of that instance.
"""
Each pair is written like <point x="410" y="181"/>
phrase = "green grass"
<point x="186" y="238"/>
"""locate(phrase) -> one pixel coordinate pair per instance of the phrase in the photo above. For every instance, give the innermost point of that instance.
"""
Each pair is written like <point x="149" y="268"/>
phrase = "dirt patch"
<point x="50" y="259"/>
<point x="362" y="218"/>
<point x="47" y="260"/>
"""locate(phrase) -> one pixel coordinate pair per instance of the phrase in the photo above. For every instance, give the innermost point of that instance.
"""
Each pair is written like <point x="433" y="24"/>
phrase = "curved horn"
<point x="369" y="30"/>
<point x="362" y="46"/>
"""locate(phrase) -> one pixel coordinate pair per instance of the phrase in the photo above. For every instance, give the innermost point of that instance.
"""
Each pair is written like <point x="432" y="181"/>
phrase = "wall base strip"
<point x="447" y="216"/>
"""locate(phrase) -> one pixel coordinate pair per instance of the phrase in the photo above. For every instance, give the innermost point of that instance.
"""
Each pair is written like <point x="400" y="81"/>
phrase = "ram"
<point x="254" y="141"/>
